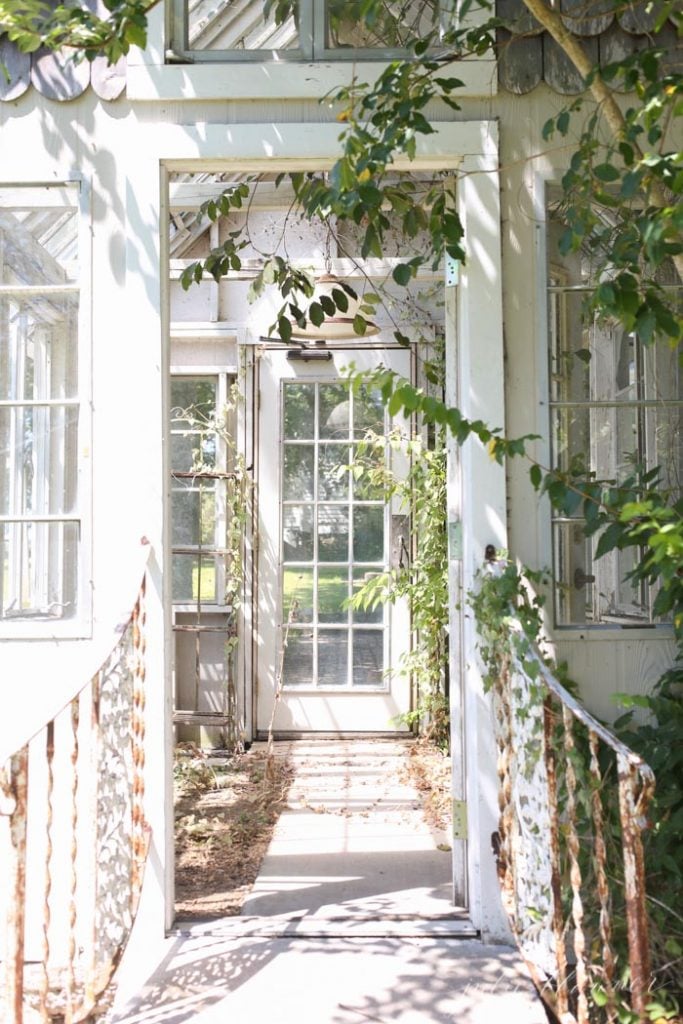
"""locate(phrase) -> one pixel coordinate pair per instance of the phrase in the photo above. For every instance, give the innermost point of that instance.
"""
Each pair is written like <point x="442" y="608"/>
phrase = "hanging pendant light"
<point x="338" y="327"/>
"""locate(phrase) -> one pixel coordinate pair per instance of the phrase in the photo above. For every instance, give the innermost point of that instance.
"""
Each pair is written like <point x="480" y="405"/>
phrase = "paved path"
<point x="350" y="920"/>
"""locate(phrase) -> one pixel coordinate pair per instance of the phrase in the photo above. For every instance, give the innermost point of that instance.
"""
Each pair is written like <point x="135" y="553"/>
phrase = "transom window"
<point x="334" y="534"/>
<point x="614" y="404"/>
<point x="304" y="30"/>
<point x="41" y="422"/>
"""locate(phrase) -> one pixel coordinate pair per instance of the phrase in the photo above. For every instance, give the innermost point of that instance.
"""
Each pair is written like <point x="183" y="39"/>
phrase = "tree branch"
<point x="601" y="93"/>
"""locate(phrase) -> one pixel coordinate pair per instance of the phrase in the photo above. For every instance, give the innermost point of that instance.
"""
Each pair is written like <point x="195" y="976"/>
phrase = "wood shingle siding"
<point x="528" y="55"/>
<point x="56" y="76"/>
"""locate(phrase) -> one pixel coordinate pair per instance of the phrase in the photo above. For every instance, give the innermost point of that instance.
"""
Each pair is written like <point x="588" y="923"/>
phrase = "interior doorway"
<point x="293" y="651"/>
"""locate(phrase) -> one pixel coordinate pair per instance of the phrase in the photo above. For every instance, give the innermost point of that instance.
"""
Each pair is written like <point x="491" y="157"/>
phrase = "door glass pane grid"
<point x="198" y="489"/>
<point x="325" y="533"/>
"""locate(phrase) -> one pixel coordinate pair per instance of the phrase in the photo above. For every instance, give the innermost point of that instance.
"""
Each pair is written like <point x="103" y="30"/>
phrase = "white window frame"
<point x="619" y="618"/>
<point x="312" y="33"/>
<point x="75" y="195"/>
<point x="225" y="378"/>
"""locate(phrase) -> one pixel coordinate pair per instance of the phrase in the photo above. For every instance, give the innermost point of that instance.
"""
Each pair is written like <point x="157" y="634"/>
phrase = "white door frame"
<point x="476" y="483"/>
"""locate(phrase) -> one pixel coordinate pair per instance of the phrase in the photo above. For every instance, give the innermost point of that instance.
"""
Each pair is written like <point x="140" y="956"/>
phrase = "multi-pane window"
<point x="330" y="29"/>
<point x="41" y="495"/>
<point x="616" y="404"/>
<point x="199" y="473"/>
<point x="334" y="536"/>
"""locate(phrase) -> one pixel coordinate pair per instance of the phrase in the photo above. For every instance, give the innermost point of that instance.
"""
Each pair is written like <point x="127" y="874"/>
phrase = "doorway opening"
<point x="309" y="449"/>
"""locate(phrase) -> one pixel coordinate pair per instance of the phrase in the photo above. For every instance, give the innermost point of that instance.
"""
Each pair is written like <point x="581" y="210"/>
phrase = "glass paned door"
<point x="324" y="532"/>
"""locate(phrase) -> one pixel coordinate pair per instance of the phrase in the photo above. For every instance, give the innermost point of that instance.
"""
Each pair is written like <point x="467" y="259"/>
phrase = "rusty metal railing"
<point x="77" y="842"/>
<point x="573" y="803"/>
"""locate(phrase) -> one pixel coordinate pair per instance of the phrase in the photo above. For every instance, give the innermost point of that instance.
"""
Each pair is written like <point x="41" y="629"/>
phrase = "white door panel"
<point x="321" y="533"/>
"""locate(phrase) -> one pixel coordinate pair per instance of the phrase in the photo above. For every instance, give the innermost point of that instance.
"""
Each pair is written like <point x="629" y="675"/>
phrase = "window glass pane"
<point x="333" y="657"/>
<point x="40" y="246"/>
<point x="368" y="412"/>
<point x="297" y="533"/>
<point x="663" y="373"/>
<point x="360" y="578"/>
<point x="368" y="657"/>
<point x="333" y="592"/>
<point x="39" y="563"/>
<point x="193" y="400"/>
<point x="194" y="578"/>
<point x="38" y="456"/>
<point x="39" y="353"/>
<point x="335" y="411"/>
<point x="397" y="28"/>
<point x="192" y="452"/>
<point x="333" y="479"/>
<point x="369" y="474"/>
<point x="298" y="587"/>
<point x="299" y="415"/>
<point x="193" y="514"/>
<point x="333" y="533"/>
<point x="570" y="365"/>
<point x="298" y="472"/>
<point x="368" y="533"/>
<point x="665" y="429"/>
<point x="236" y="25"/>
<point x="298" y="658"/>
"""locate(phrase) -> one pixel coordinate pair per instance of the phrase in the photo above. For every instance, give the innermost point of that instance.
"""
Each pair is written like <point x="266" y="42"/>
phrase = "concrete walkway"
<point x="350" y="920"/>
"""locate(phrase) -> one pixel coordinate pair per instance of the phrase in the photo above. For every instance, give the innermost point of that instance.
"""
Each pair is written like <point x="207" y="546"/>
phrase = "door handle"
<point x="581" y="578"/>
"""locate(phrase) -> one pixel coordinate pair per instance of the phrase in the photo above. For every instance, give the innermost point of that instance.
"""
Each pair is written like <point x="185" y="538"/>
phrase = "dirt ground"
<point x="226" y="810"/>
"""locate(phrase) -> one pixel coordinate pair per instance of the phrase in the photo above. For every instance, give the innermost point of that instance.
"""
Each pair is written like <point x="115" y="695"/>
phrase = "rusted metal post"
<point x="562" y="994"/>
<point x="138" y="833"/>
<point x="70" y="986"/>
<point x="14" y="981"/>
<point x="44" y="989"/>
<point x="632" y="811"/>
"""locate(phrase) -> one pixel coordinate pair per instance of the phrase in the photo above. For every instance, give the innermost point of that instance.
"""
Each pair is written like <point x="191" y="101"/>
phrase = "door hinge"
<point x="452" y="272"/>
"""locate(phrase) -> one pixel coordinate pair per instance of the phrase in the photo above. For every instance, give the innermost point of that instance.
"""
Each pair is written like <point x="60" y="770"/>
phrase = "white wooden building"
<point x="102" y="173"/>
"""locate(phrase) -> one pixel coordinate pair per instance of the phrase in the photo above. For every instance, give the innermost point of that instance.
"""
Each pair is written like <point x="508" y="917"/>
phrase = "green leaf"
<point x="536" y="476"/>
<point x="606" y="172"/>
<point x="340" y="299"/>
<point x="402" y="274"/>
<point x="316" y="314"/>
<point x="360" y="324"/>
<point x="284" y="327"/>
<point x="609" y="539"/>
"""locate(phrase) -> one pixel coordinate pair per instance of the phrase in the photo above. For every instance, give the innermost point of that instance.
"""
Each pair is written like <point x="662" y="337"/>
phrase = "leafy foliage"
<point x="623" y="197"/>
<point x="422" y="574"/>
<point x="35" y="23"/>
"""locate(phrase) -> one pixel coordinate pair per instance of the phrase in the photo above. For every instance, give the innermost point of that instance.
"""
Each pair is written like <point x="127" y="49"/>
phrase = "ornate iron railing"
<point x="573" y="802"/>
<point x="77" y="842"/>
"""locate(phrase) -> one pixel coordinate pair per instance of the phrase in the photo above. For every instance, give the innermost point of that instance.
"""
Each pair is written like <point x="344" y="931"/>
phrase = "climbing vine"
<point x="421" y="576"/>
